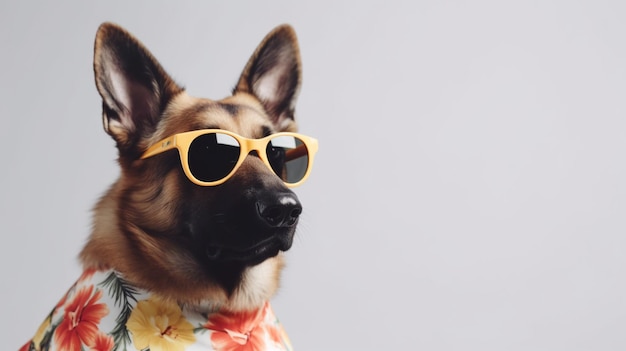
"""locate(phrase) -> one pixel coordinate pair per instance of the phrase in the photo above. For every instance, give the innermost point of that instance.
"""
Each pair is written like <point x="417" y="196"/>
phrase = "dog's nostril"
<point x="273" y="215"/>
<point x="283" y="211"/>
<point x="293" y="216"/>
<point x="295" y="213"/>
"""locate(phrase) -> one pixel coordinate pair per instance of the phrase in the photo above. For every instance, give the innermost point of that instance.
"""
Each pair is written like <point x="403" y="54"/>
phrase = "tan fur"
<point x="143" y="198"/>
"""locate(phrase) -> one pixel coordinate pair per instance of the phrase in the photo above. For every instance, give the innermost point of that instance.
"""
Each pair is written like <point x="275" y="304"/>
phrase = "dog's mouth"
<point x="248" y="231"/>
<point x="252" y="255"/>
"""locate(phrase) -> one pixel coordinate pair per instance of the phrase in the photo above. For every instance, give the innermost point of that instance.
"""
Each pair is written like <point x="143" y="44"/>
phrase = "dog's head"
<point x="164" y="231"/>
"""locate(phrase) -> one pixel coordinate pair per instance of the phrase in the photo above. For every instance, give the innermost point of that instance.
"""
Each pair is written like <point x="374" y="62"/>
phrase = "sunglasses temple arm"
<point x="292" y="154"/>
<point x="161" y="146"/>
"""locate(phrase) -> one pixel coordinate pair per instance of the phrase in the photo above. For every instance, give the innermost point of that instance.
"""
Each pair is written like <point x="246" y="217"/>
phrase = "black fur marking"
<point x="199" y="108"/>
<point x="267" y="131"/>
<point x="228" y="275"/>
<point x="232" y="109"/>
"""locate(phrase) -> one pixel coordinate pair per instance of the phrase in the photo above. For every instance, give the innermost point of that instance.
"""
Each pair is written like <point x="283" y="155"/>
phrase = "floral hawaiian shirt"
<point x="103" y="312"/>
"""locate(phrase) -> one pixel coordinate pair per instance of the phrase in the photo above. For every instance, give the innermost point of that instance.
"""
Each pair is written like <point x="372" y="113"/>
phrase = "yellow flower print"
<point x="41" y="332"/>
<point x="160" y="326"/>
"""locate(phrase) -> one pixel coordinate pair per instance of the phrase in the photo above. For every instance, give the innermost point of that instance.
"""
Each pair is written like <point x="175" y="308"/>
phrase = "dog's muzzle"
<point x="256" y="228"/>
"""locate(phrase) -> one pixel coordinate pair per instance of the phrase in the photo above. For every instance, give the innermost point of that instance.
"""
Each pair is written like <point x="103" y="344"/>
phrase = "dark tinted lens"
<point x="289" y="158"/>
<point x="212" y="156"/>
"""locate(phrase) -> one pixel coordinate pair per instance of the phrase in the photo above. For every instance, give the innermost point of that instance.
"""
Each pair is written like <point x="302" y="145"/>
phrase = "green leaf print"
<point x="123" y="294"/>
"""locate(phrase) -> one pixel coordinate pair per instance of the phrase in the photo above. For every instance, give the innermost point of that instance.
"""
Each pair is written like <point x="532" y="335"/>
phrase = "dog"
<point x="187" y="245"/>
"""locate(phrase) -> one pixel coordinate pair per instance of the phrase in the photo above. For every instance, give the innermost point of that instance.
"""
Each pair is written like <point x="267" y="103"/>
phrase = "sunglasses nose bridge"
<point x="255" y="147"/>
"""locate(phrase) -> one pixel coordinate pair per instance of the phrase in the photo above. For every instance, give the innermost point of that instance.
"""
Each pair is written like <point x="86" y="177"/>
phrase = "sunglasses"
<point x="211" y="156"/>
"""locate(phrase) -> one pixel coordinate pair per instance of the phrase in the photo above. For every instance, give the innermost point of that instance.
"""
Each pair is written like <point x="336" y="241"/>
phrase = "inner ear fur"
<point x="135" y="89"/>
<point x="273" y="74"/>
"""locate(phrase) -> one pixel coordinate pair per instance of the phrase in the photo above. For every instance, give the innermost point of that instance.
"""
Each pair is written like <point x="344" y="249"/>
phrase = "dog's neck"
<point x="256" y="288"/>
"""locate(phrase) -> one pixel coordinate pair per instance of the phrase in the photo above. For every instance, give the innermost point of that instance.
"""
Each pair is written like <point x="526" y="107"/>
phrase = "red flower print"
<point x="274" y="332"/>
<point x="87" y="274"/>
<point x="238" y="331"/>
<point x="103" y="342"/>
<point x="80" y="320"/>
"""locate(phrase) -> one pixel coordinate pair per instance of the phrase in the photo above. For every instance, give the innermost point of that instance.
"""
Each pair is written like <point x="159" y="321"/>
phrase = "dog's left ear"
<point x="273" y="75"/>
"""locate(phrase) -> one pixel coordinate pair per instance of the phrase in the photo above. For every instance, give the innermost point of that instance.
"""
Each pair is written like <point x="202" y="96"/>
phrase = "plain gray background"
<point x="469" y="189"/>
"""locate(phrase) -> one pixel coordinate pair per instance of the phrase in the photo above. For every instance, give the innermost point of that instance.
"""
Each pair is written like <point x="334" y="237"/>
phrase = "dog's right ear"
<point x="134" y="87"/>
<point x="273" y="75"/>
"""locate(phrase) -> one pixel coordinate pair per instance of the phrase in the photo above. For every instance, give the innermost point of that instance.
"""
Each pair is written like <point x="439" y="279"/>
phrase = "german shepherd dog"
<point x="186" y="247"/>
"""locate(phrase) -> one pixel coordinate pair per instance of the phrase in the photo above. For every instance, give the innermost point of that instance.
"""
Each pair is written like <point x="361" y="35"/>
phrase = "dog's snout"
<point x="282" y="211"/>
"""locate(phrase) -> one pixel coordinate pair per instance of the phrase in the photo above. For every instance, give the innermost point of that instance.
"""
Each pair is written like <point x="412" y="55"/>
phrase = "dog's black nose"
<point x="282" y="210"/>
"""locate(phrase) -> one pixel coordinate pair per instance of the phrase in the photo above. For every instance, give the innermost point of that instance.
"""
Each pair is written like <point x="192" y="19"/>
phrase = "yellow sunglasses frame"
<point x="182" y="141"/>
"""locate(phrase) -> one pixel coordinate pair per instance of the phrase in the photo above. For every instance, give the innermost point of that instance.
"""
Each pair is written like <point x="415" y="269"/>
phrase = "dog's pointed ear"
<point x="134" y="87"/>
<point x="273" y="75"/>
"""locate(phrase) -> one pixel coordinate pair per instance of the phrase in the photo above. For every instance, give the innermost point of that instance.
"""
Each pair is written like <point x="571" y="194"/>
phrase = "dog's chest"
<point x="103" y="312"/>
